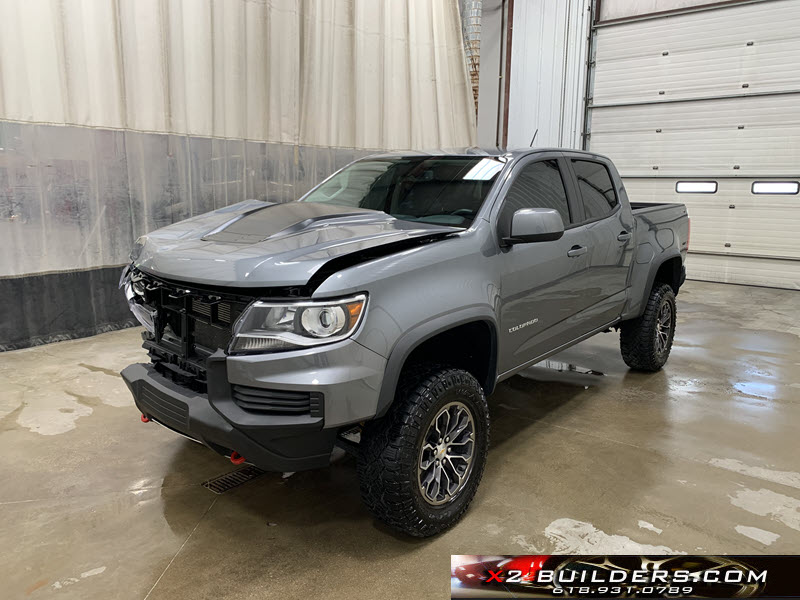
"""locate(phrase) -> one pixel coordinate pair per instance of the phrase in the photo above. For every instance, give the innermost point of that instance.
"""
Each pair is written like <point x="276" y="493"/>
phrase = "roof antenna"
<point x="534" y="137"/>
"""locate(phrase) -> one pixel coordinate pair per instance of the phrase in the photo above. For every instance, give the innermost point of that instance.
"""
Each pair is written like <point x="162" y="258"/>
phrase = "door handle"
<point x="577" y="251"/>
<point x="624" y="236"/>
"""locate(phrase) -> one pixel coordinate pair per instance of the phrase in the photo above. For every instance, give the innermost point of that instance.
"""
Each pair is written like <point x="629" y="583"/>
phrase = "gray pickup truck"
<point x="380" y="310"/>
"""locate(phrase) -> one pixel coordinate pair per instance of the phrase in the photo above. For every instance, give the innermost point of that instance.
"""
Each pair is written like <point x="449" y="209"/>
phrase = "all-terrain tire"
<point x="390" y="451"/>
<point x="639" y="338"/>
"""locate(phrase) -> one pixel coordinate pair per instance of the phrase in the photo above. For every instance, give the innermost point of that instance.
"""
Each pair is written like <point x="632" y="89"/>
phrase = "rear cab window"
<point x="598" y="196"/>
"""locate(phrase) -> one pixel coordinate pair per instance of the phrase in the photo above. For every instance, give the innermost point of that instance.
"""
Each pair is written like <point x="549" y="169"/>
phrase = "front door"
<point x="542" y="283"/>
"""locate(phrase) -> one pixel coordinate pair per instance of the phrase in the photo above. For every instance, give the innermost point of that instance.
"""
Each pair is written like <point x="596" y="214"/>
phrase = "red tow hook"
<point x="145" y="419"/>
<point x="236" y="458"/>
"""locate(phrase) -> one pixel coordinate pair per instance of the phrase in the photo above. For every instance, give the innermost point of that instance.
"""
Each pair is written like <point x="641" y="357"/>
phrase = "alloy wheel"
<point x="445" y="459"/>
<point x="663" y="327"/>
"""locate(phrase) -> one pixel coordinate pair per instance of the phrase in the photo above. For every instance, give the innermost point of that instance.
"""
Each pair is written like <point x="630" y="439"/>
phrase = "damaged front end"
<point x="200" y="385"/>
<point x="184" y="325"/>
<point x="188" y="321"/>
<point x="133" y="287"/>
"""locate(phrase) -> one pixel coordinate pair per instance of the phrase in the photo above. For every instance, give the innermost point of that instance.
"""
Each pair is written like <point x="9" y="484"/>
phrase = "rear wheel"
<point x="421" y="464"/>
<point x="647" y="340"/>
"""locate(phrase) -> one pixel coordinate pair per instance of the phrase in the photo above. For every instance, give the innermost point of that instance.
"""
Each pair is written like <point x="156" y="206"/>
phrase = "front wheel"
<point x="420" y="465"/>
<point x="647" y="340"/>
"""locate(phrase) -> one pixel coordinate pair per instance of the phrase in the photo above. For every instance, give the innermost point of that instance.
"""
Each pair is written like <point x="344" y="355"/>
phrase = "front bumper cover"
<point x="275" y="443"/>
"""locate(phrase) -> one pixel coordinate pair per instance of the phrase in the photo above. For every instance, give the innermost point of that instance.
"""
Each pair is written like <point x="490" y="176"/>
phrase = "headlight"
<point x="266" y="326"/>
<point x="136" y="251"/>
<point x="134" y="294"/>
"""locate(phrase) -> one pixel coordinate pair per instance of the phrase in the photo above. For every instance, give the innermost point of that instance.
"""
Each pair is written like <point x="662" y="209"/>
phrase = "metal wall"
<point x="548" y="73"/>
<point x="547" y="78"/>
<point x="120" y="116"/>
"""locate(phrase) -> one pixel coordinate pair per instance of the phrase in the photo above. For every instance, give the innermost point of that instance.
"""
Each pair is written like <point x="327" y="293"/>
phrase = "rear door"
<point x="608" y="225"/>
<point x="543" y="284"/>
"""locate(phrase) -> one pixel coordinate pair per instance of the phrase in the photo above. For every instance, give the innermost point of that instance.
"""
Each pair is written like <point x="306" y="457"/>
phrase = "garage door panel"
<point x="744" y="270"/>
<point x="758" y="232"/>
<point x="627" y="157"/>
<point x="709" y="73"/>
<point x="760" y="135"/>
<point x="765" y="113"/>
<point x="700" y="30"/>
<point x="700" y="54"/>
<point x="698" y="153"/>
<point x="738" y="190"/>
<point x="733" y="220"/>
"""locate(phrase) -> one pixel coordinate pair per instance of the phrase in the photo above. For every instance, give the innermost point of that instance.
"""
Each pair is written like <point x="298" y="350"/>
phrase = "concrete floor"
<point x="702" y="457"/>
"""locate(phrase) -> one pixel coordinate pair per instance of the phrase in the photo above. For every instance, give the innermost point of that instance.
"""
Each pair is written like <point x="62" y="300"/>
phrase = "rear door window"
<point x="597" y="192"/>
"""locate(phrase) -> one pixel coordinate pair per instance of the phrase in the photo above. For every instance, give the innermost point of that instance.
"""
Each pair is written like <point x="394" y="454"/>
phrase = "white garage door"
<point x="704" y="108"/>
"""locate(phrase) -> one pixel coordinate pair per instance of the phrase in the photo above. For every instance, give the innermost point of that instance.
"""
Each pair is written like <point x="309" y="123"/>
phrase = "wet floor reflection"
<point x="560" y="379"/>
<point x="567" y="367"/>
<point x="768" y="391"/>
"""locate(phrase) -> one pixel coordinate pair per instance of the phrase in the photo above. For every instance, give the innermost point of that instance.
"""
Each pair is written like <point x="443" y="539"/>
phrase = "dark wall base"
<point x="51" y="307"/>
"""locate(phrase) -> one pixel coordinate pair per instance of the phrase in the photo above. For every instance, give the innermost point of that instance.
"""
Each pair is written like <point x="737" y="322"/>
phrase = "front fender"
<point x="412" y="339"/>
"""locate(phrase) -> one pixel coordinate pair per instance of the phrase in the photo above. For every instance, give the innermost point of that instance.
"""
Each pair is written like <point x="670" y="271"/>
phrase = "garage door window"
<point x="776" y="187"/>
<point x="597" y="191"/>
<point x="696" y="187"/>
<point x="538" y="185"/>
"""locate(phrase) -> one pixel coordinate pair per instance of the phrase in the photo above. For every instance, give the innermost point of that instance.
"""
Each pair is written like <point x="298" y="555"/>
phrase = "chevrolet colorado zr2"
<point x="380" y="310"/>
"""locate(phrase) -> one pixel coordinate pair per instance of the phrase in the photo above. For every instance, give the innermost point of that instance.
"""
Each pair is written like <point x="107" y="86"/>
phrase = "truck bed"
<point x="641" y="207"/>
<point x="669" y="215"/>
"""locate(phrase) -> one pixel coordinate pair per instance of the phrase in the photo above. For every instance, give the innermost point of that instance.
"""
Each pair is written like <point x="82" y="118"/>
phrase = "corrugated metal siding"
<point x="736" y="134"/>
<point x="548" y="73"/>
<point x="344" y="73"/>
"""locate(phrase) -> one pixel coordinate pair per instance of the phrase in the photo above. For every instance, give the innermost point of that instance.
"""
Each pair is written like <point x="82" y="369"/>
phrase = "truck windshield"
<point x="440" y="190"/>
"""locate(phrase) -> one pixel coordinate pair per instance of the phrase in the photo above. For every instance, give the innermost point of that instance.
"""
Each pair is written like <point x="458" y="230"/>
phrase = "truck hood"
<point x="262" y="244"/>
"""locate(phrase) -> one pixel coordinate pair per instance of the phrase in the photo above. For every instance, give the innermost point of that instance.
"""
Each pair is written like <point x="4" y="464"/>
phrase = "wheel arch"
<point x="444" y="330"/>
<point x="668" y="271"/>
<point x="668" y="268"/>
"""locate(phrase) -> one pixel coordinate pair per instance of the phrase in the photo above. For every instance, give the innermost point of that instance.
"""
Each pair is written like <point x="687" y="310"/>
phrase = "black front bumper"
<point x="271" y="442"/>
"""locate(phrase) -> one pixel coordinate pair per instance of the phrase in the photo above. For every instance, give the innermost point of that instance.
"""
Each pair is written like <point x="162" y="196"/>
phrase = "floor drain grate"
<point x="223" y="483"/>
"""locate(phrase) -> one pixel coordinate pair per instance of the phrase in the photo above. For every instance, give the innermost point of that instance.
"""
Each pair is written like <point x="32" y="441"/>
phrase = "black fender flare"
<point x="427" y="330"/>
<point x="656" y="265"/>
<point x="653" y="267"/>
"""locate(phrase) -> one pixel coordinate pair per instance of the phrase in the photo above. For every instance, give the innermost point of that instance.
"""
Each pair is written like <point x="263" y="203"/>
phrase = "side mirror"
<point x="535" y="225"/>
